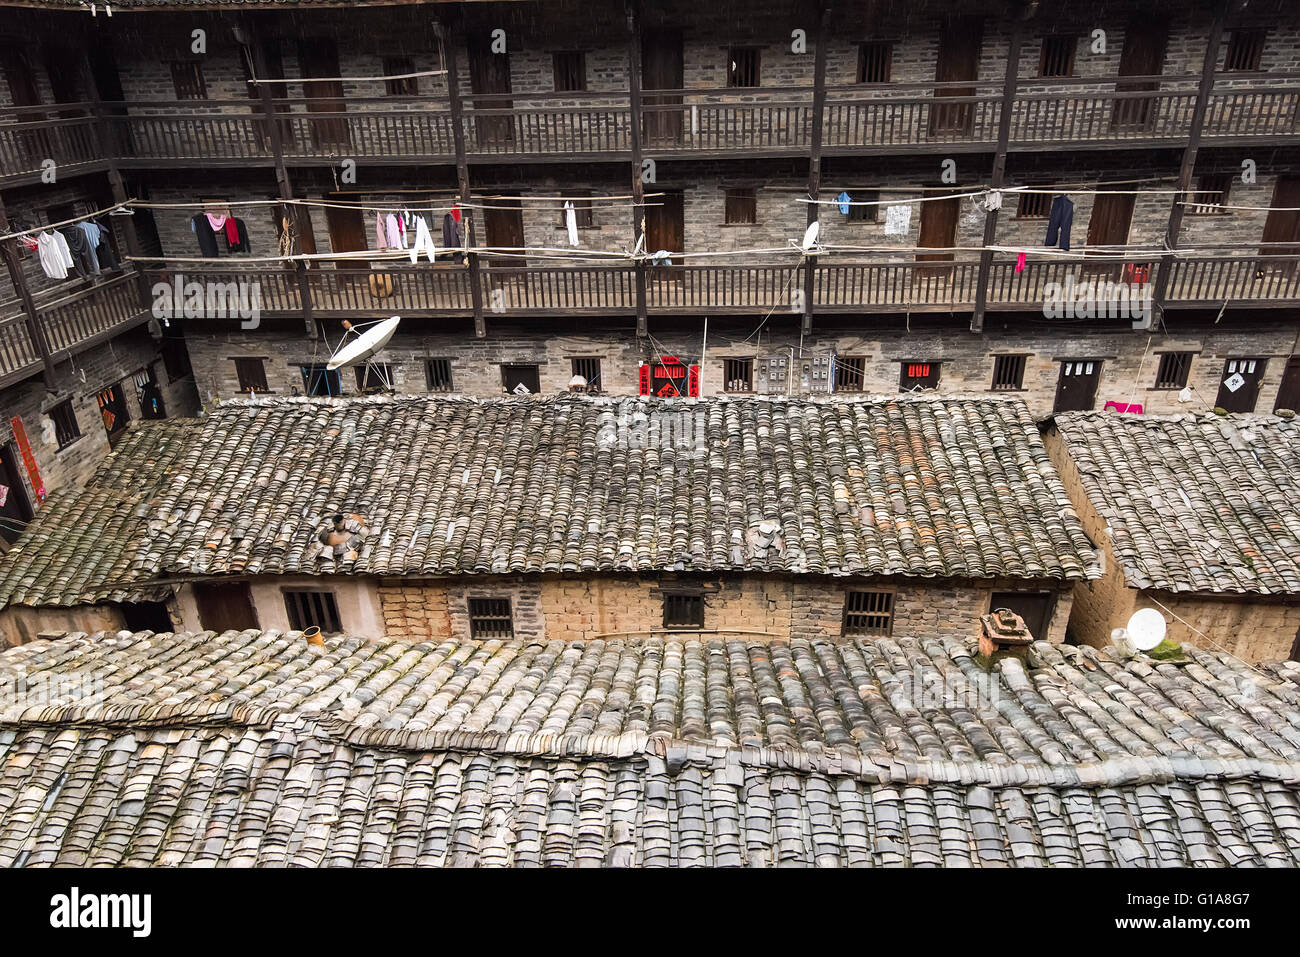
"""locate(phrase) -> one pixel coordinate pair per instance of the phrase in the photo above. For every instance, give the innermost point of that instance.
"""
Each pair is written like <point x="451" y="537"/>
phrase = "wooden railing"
<point x="26" y="146"/>
<point x="910" y="114"/>
<point x="1250" y="105"/>
<point x="724" y="288"/>
<point x="1236" y="278"/>
<point x="850" y="287"/>
<point x="1103" y="111"/>
<point x="17" y="352"/>
<point x="601" y="289"/>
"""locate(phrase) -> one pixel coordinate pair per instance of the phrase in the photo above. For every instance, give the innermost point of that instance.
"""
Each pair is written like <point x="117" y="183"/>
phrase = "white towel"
<point x="423" y="241"/>
<point x="571" y="221"/>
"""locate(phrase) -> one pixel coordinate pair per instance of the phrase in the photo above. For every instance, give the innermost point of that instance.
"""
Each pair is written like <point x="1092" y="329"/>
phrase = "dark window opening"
<point x="850" y="373"/>
<point x="589" y="368"/>
<point x="308" y="609"/>
<point x="251" y="374"/>
<point x="437" y="374"/>
<point x="918" y="375"/>
<point x="146" y="616"/>
<point x="490" y="618"/>
<point x="859" y="212"/>
<point x="521" y="379"/>
<point x="1057" y="58"/>
<point x="741" y="206"/>
<point x="868" y="613"/>
<point x="397" y="67"/>
<point x="1245" y="48"/>
<point x="570" y="71"/>
<point x="66" y="430"/>
<point x="1034" y="608"/>
<point x="738" y="374"/>
<point x="1033" y="206"/>
<point x="683" y="611"/>
<point x="176" y="358"/>
<point x="1211" y="195"/>
<point x="187" y="78"/>
<point x="374" y="377"/>
<point x="582" y="214"/>
<point x="742" y="66"/>
<point x="113" y="411"/>
<point x="1008" y="373"/>
<point x="318" y="380"/>
<point x="875" y="59"/>
<point x="1173" y="370"/>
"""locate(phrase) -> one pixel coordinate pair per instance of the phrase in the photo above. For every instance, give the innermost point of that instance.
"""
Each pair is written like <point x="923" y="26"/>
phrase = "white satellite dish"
<point x="810" y="236"/>
<point x="365" y="345"/>
<point x="1146" y="628"/>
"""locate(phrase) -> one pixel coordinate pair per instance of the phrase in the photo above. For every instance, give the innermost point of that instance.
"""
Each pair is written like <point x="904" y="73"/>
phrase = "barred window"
<point x="490" y="618"/>
<point x="1008" y="373"/>
<point x="861" y="213"/>
<point x="742" y="66"/>
<point x="437" y="373"/>
<point x="738" y="375"/>
<point x="1033" y="206"/>
<point x="310" y="608"/>
<point x="875" y="60"/>
<point x="373" y="376"/>
<point x="1173" y="370"/>
<point x="1211" y="195"/>
<point x="868" y="613"/>
<point x="251" y="373"/>
<point x="187" y="79"/>
<point x="1057" y="58"/>
<point x="570" y="71"/>
<point x="400" y="66"/>
<point x="684" y="611"/>
<point x="1245" y="49"/>
<point x="66" y="430"/>
<point x="589" y="368"/>
<point x="582" y="215"/>
<point x="741" y="206"/>
<point x="850" y="373"/>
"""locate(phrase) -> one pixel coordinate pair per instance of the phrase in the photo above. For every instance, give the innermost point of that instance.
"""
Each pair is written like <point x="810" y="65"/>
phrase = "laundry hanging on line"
<point x="55" y="256"/>
<point x="1059" y="221"/>
<point x="844" y="200"/>
<point x="571" y="222"/>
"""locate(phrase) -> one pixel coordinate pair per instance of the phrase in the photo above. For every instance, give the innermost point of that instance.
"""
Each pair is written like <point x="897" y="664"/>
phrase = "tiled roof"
<point x="256" y="748"/>
<point x="1201" y="503"/>
<point x="951" y="487"/>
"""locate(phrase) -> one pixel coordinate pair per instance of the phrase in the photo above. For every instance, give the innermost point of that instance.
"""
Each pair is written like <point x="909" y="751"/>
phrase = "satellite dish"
<point x="365" y="344"/>
<point x="1146" y="629"/>
<point x="810" y="236"/>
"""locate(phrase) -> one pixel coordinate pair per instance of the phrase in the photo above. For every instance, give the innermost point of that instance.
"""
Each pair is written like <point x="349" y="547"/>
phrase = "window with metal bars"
<point x="66" y="430"/>
<point x="742" y="66"/>
<point x="738" y="375"/>
<point x="403" y="85"/>
<point x="1057" y="57"/>
<point x="683" y="610"/>
<point x="918" y="375"/>
<point x="437" y="375"/>
<point x="850" y="373"/>
<point x="251" y="373"/>
<point x="868" y="614"/>
<point x="373" y="376"/>
<point x="1173" y="370"/>
<point x="589" y="368"/>
<point x="310" y="608"/>
<point x="875" y="60"/>
<point x="1245" y="49"/>
<point x="187" y="79"/>
<point x="1211" y="195"/>
<point x="1033" y="206"/>
<point x="570" y="71"/>
<point x="741" y="206"/>
<point x="1008" y="373"/>
<point x="860" y="213"/>
<point x="490" y="618"/>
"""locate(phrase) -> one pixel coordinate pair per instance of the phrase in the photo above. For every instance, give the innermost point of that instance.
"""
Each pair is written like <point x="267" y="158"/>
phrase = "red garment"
<point x="232" y="231"/>
<point x="455" y="212"/>
<point x="1020" y="263"/>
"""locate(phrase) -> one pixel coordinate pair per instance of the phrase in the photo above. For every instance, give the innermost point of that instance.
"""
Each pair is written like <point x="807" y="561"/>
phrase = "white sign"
<point x="522" y="389"/>
<point x="1234" y="382"/>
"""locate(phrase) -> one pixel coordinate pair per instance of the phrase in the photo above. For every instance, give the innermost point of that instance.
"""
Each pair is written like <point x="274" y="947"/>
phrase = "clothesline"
<point x="346" y="79"/>
<point x="326" y="204"/>
<point x="66" y="222"/>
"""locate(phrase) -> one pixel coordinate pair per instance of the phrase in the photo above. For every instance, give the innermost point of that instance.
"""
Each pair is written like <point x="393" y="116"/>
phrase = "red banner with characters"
<point x="29" y="460"/>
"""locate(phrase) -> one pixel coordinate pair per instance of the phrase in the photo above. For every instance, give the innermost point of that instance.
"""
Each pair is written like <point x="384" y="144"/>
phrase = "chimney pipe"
<point x="313" y="637"/>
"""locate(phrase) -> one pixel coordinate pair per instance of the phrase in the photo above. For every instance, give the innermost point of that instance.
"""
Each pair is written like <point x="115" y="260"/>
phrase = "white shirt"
<point x="56" y="257"/>
<point x="571" y="221"/>
<point x="423" y="241"/>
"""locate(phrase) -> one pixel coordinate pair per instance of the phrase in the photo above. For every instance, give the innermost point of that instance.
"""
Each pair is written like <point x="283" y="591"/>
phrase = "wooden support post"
<point x="447" y="36"/>
<point x="1188" y="165"/>
<point x="998" y="176"/>
<point x="32" y="319"/>
<point x="815" y="159"/>
<point x="638" y="185"/>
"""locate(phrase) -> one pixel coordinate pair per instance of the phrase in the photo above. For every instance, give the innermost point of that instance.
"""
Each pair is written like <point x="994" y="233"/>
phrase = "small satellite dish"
<point x="1146" y="628"/>
<point x="365" y="345"/>
<point x="810" y="236"/>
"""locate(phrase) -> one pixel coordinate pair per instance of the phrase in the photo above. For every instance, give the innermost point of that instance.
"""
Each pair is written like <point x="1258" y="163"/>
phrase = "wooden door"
<point x="489" y="81"/>
<point x="149" y="395"/>
<point x="938" y="231"/>
<point x="63" y="78"/>
<point x="347" y="235"/>
<point x="1282" y="225"/>
<point x="1143" y="55"/>
<point x="319" y="57"/>
<point x="272" y="69"/>
<point x="1288" y="392"/>
<point x="662" y="69"/>
<point x="113" y="411"/>
<point x="33" y="145"/>
<point x="665" y="225"/>
<point x="15" y="509"/>
<point x="503" y="224"/>
<point x="1076" y="389"/>
<point x="1108" y="225"/>
<point x="957" y="62"/>
<point x="1240" y="384"/>
<point x="225" y="607"/>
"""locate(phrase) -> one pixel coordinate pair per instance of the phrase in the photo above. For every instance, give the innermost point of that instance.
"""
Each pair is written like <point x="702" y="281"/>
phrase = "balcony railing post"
<point x="1188" y="166"/>
<point x="815" y="159"/>
<point x="447" y="37"/>
<point x="638" y="186"/>
<point x="998" y="177"/>
<point x="32" y="319"/>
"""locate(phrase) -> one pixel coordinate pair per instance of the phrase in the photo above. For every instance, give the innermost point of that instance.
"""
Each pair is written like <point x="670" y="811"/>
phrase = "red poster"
<point x="29" y="460"/>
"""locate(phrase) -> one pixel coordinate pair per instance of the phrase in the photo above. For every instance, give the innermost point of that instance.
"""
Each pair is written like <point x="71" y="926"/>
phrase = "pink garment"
<point x="381" y="240"/>
<point x="1134" y="408"/>
<point x="216" y="221"/>
<point x="1020" y="262"/>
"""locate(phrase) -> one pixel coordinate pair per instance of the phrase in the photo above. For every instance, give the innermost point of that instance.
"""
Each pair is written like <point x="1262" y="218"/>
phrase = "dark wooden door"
<point x="957" y="62"/>
<point x="1282" y="225"/>
<point x="938" y="231"/>
<point x="1076" y="389"/>
<point x="33" y="145"/>
<point x="489" y="81"/>
<point x="225" y="607"/>
<point x="348" y="235"/>
<point x="63" y="77"/>
<point x="149" y="394"/>
<point x="15" y="509"/>
<point x="1288" y="392"/>
<point x="503" y="225"/>
<point x="1143" y="55"/>
<point x="662" y="69"/>
<point x="272" y="69"/>
<point x="1034" y="607"/>
<point x="1108" y="225"/>
<point x="112" y="409"/>
<point x="108" y="85"/>
<point x="665" y="225"/>
<point x="319" y="57"/>
<point x="1240" y="383"/>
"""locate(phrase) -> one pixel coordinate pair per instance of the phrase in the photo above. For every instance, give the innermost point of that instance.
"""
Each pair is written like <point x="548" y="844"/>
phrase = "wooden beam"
<point x="1188" y="165"/>
<point x="447" y="37"/>
<point x="638" y="186"/>
<point x="815" y="157"/>
<point x="32" y="319"/>
<point x="998" y="176"/>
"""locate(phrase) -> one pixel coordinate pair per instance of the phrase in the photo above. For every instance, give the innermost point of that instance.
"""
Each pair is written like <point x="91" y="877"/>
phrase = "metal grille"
<point x="1008" y="373"/>
<point x="251" y="374"/>
<point x="1245" y="49"/>
<point x="683" y="611"/>
<point x="313" y="608"/>
<point x="491" y="618"/>
<point x="1033" y="206"/>
<point x="66" y="430"/>
<point x="589" y="368"/>
<point x="1058" y="56"/>
<point x="570" y="71"/>
<point x="850" y="373"/>
<point x="187" y="78"/>
<point x="874" y="61"/>
<point x="741" y="207"/>
<point x="1173" y="370"/>
<point x="742" y="66"/>
<point x="437" y="372"/>
<point x="738" y="375"/>
<point x="868" y="613"/>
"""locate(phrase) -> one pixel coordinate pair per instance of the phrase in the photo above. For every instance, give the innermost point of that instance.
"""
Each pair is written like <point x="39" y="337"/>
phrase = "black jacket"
<point x="207" y="238"/>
